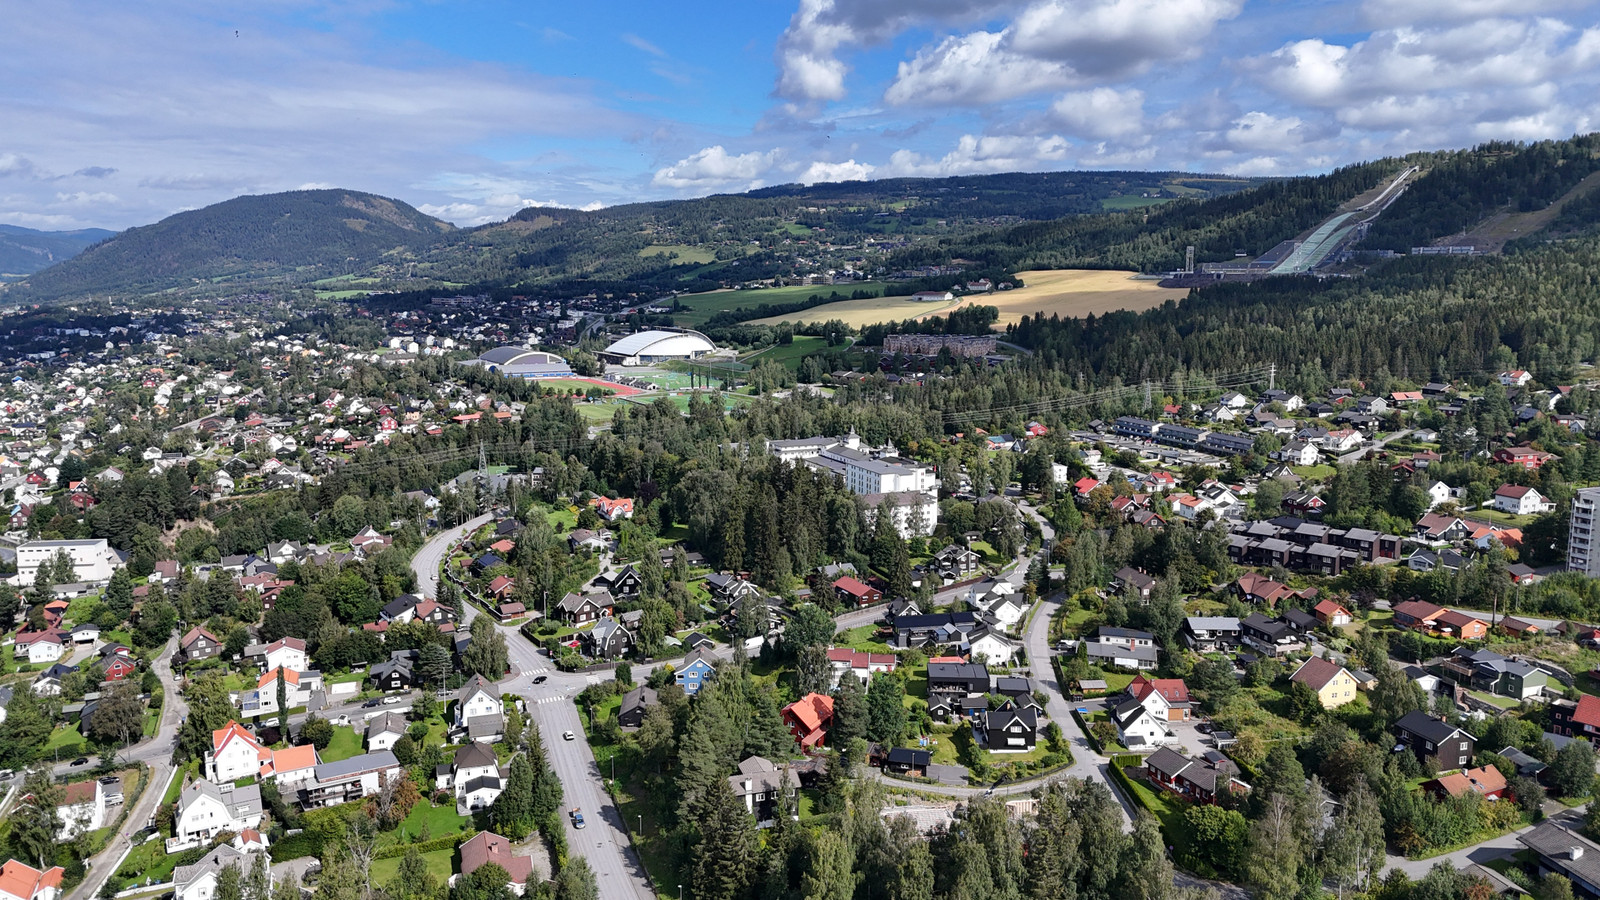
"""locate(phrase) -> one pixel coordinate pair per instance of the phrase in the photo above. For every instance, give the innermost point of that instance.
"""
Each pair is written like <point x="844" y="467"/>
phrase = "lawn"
<point x="345" y="744"/>
<point x="1168" y="809"/>
<point x="862" y="638"/>
<point x="1128" y="201"/>
<point x="64" y="736"/>
<point x="441" y="865"/>
<point x="427" y="822"/>
<point x="682" y="254"/>
<point x="699" y="308"/>
<point x="1314" y="473"/>
<point x="789" y="355"/>
<point x="147" y="863"/>
<point x="1497" y="517"/>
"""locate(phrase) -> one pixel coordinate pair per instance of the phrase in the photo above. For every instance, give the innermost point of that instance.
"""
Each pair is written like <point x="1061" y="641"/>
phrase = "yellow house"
<point x="1334" y="684"/>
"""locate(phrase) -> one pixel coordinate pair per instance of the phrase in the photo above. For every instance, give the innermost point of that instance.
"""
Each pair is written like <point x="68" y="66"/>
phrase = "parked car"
<point x="577" y="816"/>
<point x="390" y="701"/>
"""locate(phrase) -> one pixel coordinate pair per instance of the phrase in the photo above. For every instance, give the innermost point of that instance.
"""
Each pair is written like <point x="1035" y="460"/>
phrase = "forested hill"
<point x="23" y="250"/>
<point x="320" y="233"/>
<point x="298" y="238"/>
<point x="1456" y="192"/>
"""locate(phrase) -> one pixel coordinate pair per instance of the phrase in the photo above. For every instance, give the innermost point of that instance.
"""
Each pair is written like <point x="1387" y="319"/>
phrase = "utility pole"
<point x="1272" y="377"/>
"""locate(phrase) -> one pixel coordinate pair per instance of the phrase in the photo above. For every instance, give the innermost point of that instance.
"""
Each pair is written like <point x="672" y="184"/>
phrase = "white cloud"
<point x="849" y="170"/>
<point x="639" y="43"/>
<point x="1057" y="43"/>
<point x="973" y="70"/>
<point x="1258" y="131"/>
<point x="1118" y="38"/>
<point x="809" y="68"/>
<point x="982" y="155"/>
<point x="1100" y="113"/>
<point x="714" y="168"/>
<point x="1387" y="13"/>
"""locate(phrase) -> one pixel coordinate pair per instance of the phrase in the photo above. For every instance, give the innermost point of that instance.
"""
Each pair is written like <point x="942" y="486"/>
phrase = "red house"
<point x="1332" y="613"/>
<point x="851" y="590"/>
<point x="1486" y="780"/>
<point x="1523" y="456"/>
<point x="1417" y="614"/>
<point x="1466" y="626"/>
<point x="501" y="587"/>
<point x="809" y="719"/>
<point x="116" y="668"/>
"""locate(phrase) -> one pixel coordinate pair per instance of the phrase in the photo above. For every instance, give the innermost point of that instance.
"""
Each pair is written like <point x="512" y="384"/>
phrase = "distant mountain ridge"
<point x="24" y="251"/>
<point x="316" y="234"/>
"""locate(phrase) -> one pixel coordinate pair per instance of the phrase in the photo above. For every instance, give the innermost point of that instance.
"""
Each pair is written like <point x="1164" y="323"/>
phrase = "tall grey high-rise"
<point x="1583" y="544"/>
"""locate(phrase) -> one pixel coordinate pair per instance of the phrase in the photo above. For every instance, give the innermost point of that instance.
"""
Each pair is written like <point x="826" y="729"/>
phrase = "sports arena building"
<point x="520" y="362"/>
<point x="658" y="345"/>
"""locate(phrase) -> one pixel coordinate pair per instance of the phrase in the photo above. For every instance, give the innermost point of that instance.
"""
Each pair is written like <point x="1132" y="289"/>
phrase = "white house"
<point x="1438" y="493"/>
<point x="82" y="808"/>
<point x="384" y="730"/>
<point x="479" y="711"/>
<point x="199" y="881"/>
<point x="1138" y="727"/>
<point x="291" y="767"/>
<point x="990" y="646"/>
<point x="263" y="700"/>
<point x="474" y="777"/>
<point x="235" y="754"/>
<point x="1515" y="378"/>
<point x="205" y="810"/>
<point x="284" y="653"/>
<point x="1521" y="500"/>
<point x="40" y="646"/>
<point x="859" y="663"/>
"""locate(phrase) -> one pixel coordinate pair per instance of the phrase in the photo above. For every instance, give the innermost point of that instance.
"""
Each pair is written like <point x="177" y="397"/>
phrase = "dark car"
<point x="81" y="761"/>
<point x="541" y="679"/>
<point x="371" y="703"/>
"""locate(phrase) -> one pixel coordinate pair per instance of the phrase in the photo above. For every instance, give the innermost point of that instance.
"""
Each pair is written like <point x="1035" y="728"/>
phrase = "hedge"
<point x="448" y="842"/>
<point x="306" y="843"/>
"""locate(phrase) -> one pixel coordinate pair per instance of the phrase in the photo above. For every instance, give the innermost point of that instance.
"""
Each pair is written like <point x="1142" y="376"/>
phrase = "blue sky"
<point x="119" y="114"/>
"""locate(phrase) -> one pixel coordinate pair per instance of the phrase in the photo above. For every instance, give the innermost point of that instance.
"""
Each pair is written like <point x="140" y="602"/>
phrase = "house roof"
<point x="1557" y="843"/>
<point x="1428" y="728"/>
<point x="813" y="710"/>
<point x="861" y="659"/>
<point x="234" y="731"/>
<point x="1316" y="672"/>
<point x="1587" y="711"/>
<point x="291" y="759"/>
<point x="195" y="634"/>
<point x="1484" y="780"/>
<point x="487" y="847"/>
<point x="475" y="755"/>
<point x="1331" y="608"/>
<point x="1514" y="491"/>
<point x="1173" y="690"/>
<point x="22" y="880"/>
<point x="1419" y="609"/>
<point x="1458" y="620"/>
<point x="852" y="586"/>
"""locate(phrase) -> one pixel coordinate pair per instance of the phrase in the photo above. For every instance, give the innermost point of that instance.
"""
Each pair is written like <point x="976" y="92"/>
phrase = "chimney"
<point x="1576" y="852"/>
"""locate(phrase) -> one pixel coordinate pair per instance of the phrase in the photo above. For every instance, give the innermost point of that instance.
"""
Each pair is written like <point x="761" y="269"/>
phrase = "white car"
<point x="390" y="701"/>
<point x="568" y="736"/>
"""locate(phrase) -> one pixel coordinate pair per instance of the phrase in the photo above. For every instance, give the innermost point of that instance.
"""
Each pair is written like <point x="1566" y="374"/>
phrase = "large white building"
<point x="1583" y="551"/>
<point x="658" y="345"/>
<point x="911" y="488"/>
<point x="92" y="560"/>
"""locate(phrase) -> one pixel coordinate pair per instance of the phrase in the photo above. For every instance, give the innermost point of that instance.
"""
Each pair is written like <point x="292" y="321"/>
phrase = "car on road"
<point x="565" y="736"/>
<point x="577" y="815"/>
<point x="81" y="761"/>
<point x="390" y="701"/>
<point x="541" y="679"/>
<point x="369" y="704"/>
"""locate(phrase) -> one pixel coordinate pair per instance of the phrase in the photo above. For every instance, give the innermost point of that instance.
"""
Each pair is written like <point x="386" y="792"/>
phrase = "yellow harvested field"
<point x="1077" y="292"/>
<point x="1064" y="292"/>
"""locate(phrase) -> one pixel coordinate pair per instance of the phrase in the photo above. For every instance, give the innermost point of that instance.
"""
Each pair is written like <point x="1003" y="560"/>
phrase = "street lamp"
<point x="641" y="825"/>
<point x="680" y="892"/>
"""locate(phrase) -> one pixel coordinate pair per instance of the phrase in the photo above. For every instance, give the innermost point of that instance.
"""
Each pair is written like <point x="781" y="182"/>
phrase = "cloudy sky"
<point x="117" y="114"/>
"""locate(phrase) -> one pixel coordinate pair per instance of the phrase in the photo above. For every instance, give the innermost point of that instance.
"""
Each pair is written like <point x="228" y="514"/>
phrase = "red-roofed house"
<point x="1084" y="485"/>
<point x="809" y="719"/>
<point x="1521" y="500"/>
<point x="1334" y="684"/>
<point x="852" y="590"/>
<point x="1417" y="614"/>
<point x="235" y="753"/>
<point x="612" y="510"/>
<point x="1524" y="456"/>
<point x="1579" y="720"/>
<point x="39" y="646"/>
<point x="487" y="847"/>
<point x="20" y="881"/>
<point x="1332" y="613"/>
<point x="1486" y="780"/>
<point x="1466" y="626"/>
<point x="859" y="663"/>
<point x="1165" y="698"/>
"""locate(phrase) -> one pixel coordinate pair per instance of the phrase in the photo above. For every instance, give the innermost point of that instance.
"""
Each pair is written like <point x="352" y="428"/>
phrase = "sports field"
<point x="701" y="307"/>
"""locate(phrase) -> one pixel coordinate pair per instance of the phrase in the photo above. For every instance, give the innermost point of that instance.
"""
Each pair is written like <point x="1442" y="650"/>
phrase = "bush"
<point x="449" y="842"/>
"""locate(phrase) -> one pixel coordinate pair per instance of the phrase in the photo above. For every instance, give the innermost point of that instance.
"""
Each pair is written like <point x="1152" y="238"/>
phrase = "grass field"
<point x="1077" y="292"/>
<point x="861" y="313"/>
<point x="685" y="253"/>
<point x="699" y="308"/>
<point x="789" y="354"/>
<point x="1131" y="202"/>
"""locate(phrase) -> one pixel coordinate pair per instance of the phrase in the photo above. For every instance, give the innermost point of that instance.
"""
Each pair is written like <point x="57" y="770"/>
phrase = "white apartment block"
<point x="1583" y="552"/>
<point x="92" y="560"/>
<point x="912" y="488"/>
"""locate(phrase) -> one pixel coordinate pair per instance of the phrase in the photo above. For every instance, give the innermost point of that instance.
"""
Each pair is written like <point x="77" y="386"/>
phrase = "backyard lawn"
<point x="862" y="639"/>
<point x="345" y="744"/>
<point x="427" y="822"/>
<point x="441" y="865"/>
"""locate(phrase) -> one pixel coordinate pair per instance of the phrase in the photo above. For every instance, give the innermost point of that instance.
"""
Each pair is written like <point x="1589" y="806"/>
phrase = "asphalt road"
<point x="427" y="560"/>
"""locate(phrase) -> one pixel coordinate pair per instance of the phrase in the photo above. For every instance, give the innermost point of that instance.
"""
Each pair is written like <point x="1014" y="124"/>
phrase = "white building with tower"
<point x="92" y="560"/>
